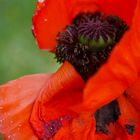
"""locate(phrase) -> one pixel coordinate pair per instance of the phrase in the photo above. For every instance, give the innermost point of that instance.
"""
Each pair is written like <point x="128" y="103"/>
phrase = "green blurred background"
<point x="19" y="54"/>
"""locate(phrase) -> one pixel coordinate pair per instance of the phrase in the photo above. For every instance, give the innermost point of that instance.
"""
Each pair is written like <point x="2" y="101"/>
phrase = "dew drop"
<point x="14" y="134"/>
<point x="45" y="19"/>
<point x="33" y="27"/>
<point x="1" y="121"/>
<point x="61" y="119"/>
<point x="41" y="1"/>
<point x="9" y="136"/>
<point x="35" y="14"/>
<point x="18" y="128"/>
<point x="11" y="122"/>
<point x="1" y="107"/>
<point x="19" y="125"/>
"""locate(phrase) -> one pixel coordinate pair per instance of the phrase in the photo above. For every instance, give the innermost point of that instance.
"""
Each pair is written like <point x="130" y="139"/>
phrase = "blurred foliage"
<point x="19" y="54"/>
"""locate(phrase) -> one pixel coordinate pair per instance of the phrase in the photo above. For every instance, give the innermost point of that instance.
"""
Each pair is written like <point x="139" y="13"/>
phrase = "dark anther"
<point x="130" y="129"/>
<point x="106" y="115"/>
<point x="119" y="24"/>
<point x="86" y="44"/>
<point x="51" y="128"/>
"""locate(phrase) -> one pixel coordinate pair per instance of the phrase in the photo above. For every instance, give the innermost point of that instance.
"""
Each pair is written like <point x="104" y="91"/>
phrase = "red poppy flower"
<point x="61" y="106"/>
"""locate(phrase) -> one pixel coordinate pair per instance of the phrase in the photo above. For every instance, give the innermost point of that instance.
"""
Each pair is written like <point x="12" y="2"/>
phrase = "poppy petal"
<point x="63" y="90"/>
<point x="81" y="6"/>
<point x="120" y="72"/>
<point x="100" y="90"/>
<point x="133" y="94"/>
<point x="129" y="116"/>
<point x="16" y="101"/>
<point x="114" y="7"/>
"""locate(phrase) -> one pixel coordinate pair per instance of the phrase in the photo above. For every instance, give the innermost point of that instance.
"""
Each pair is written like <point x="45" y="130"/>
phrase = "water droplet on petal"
<point x="19" y="125"/>
<point x="41" y="1"/>
<point x="1" y="121"/>
<point x="32" y="27"/>
<point x="18" y="129"/>
<point x="9" y="136"/>
<point x="1" y="107"/>
<point x="11" y="122"/>
<point x="45" y="19"/>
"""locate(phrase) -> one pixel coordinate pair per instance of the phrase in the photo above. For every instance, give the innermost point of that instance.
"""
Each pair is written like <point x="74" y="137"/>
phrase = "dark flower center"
<point x="88" y="41"/>
<point x="86" y="44"/>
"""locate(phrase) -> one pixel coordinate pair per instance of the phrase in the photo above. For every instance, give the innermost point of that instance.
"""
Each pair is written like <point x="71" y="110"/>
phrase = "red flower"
<point x="61" y="106"/>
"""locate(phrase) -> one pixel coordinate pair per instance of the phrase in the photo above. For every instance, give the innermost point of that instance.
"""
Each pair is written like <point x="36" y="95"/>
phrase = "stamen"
<point x="130" y="129"/>
<point x="87" y="43"/>
<point x="119" y="24"/>
<point x="106" y="115"/>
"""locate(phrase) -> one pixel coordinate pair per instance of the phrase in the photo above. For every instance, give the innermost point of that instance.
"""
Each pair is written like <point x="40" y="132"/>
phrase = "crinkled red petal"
<point x="134" y="94"/>
<point x="129" y="116"/>
<point x="16" y="101"/>
<point x="62" y="91"/>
